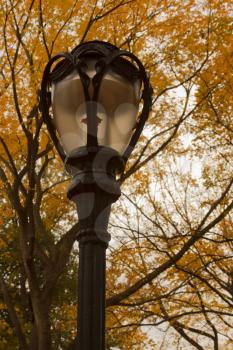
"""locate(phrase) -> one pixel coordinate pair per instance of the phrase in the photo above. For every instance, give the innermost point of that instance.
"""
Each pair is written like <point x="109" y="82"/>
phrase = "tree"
<point x="170" y="261"/>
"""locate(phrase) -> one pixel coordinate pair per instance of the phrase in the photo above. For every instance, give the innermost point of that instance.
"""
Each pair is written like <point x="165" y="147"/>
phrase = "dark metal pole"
<point x="93" y="240"/>
<point x="93" y="189"/>
<point x="91" y="296"/>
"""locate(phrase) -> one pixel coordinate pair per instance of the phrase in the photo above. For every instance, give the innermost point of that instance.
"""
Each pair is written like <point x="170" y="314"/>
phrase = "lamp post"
<point x="90" y="101"/>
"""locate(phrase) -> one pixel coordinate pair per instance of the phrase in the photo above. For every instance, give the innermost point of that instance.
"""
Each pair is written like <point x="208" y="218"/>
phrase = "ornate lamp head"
<point x="94" y="93"/>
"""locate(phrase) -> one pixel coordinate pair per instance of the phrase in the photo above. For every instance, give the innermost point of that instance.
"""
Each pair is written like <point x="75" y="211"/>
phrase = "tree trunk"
<point x="41" y="333"/>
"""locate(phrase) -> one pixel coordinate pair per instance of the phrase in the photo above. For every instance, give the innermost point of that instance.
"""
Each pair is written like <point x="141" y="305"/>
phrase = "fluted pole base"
<point x="91" y="296"/>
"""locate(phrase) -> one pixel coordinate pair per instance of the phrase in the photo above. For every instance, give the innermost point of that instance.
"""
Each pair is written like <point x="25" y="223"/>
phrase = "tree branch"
<point x="13" y="316"/>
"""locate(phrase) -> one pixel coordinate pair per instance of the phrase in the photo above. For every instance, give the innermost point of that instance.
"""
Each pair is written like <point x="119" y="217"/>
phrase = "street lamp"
<point x="90" y="101"/>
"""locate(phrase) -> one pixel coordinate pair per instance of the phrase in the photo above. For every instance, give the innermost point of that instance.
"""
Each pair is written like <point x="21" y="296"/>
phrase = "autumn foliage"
<point x="170" y="262"/>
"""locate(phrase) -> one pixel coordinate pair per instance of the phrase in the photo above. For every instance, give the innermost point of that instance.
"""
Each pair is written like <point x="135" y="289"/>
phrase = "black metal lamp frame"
<point x="93" y="169"/>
